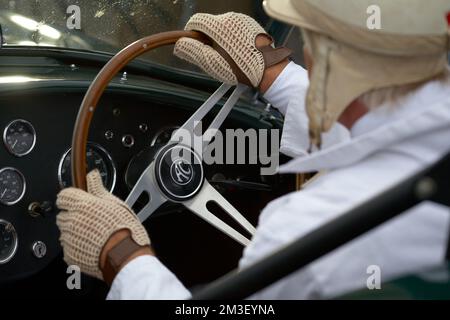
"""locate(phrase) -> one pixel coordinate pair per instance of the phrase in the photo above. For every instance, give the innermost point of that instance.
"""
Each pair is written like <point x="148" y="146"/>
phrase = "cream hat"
<point x="352" y="58"/>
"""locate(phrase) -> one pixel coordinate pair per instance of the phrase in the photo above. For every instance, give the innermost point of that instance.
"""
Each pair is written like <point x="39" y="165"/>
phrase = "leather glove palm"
<point x="89" y="219"/>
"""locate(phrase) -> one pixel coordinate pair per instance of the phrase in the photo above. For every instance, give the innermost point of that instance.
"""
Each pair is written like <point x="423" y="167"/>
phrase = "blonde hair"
<point x="391" y="95"/>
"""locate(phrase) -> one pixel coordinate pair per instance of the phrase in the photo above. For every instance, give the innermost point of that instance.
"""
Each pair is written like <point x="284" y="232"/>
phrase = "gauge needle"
<point x="14" y="145"/>
<point x="3" y="193"/>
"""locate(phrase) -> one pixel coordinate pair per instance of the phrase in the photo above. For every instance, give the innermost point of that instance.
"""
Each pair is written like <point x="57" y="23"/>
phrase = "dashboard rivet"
<point x="128" y="141"/>
<point x="116" y="112"/>
<point x="143" y="127"/>
<point x="425" y="188"/>
<point x="39" y="249"/>
<point x="124" y="77"/>
<point x="109" y="135"/>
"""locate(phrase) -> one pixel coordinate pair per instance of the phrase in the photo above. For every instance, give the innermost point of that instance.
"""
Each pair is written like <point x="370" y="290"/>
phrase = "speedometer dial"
<point x="97" y="158"/>
<point x="12" y="186"/>
<point x="19" y="137"/>
<point x="8" y="241"/>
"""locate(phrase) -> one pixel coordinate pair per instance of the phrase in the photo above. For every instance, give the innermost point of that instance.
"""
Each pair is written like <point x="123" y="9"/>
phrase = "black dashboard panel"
<point x="52" y="116"/>
<point x="135" y="111"/>
<point x="122" y="112"/>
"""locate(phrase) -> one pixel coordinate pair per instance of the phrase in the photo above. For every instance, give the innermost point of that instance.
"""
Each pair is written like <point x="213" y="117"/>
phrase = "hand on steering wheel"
<point x="229" y="39"/>
<point x="194" y="192"/>
<point x="241" y="50"/>
<point x="176" y="174"/>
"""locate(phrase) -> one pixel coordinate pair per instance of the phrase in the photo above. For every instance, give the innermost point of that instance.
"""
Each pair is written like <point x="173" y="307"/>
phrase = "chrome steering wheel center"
<point x="179" y="172"/>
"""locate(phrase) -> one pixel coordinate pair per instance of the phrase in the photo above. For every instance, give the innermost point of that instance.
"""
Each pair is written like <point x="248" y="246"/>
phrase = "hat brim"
<point x="284" y="11"/>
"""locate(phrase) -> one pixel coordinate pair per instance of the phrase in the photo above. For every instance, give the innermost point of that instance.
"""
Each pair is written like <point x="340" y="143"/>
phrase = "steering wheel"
<point x="177" y="173"/>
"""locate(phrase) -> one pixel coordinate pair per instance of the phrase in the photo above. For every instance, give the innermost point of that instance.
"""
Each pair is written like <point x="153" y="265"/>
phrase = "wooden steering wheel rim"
<point x="98" y="86"/>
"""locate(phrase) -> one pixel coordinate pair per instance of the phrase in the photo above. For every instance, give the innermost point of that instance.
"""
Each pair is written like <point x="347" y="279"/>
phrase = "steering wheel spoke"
<point x="223" y="113"/>
<point x="203" y="111"/>
<point x="198" y="205"/>
<point x="146" y="184"/>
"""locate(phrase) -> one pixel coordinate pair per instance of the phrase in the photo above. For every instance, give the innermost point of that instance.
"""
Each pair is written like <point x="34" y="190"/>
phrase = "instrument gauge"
<point x="8" y="241"/>
<point x="19" y="137"/>
<point x="12" y="186"/>
<point x="97" y="158"/>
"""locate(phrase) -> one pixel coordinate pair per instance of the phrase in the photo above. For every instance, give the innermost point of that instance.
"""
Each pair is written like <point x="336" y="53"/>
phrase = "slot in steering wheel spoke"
<point x="198" y="205"/>
<point x="203" y="111"/>
<point x="223" y="113"/>
<point x="146" y="184"/>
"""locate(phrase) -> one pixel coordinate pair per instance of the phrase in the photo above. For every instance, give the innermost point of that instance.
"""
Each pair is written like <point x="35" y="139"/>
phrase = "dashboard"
<point x="133" y="119"/>
<point x="35" y="165"/>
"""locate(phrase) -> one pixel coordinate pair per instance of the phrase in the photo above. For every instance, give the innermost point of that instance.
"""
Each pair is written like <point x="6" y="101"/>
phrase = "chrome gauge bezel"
<point x="8" y="147"/>
<point x="24" y="182"/>
<point x="15" y="245"/>
<point x="103" y="151"/>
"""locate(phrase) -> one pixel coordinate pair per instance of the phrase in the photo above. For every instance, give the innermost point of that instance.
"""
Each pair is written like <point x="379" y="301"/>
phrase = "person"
<point x="372" y="109"/>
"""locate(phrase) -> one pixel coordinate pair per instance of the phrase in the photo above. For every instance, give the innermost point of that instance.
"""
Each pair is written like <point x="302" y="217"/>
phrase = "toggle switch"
<point x="37" y="209"/>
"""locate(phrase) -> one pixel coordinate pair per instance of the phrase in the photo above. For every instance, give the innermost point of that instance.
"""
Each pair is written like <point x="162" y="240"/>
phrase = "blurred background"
<point x="109" y="25"/>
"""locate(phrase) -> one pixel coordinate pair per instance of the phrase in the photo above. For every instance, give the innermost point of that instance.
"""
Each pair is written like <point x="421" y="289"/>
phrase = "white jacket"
<point x="383" y="147"/>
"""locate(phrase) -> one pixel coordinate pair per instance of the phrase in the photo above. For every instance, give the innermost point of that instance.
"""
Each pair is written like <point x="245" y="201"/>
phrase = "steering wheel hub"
<point x="179" y="172"/>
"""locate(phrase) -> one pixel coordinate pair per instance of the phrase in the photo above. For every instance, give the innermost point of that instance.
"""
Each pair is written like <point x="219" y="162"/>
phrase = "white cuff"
<point x="292" y="82"/>
<point x="146" y="278"/>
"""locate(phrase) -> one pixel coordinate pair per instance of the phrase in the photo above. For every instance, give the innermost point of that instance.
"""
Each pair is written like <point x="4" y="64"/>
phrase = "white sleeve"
<point x="292" y="82"/>
<point x="146" y="278"/>
<point x="415" y="240"/>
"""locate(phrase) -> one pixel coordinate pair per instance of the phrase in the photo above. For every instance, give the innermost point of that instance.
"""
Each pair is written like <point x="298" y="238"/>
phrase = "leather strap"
<point x="241" y="77"/>
<point x="271" y="56"/>
<point x="117" y="256"/>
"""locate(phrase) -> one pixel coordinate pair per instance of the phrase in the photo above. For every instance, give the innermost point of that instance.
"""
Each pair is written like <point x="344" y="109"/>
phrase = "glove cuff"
<point x="117" y="256"/>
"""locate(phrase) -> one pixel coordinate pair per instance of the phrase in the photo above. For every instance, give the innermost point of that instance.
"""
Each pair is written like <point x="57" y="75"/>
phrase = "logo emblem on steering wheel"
<point x="181" y="172"/>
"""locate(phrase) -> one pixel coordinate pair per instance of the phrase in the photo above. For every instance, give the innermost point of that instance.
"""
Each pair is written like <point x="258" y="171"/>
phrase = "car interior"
<point x="42" y="87"/>
<point x="46" y="71"/>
